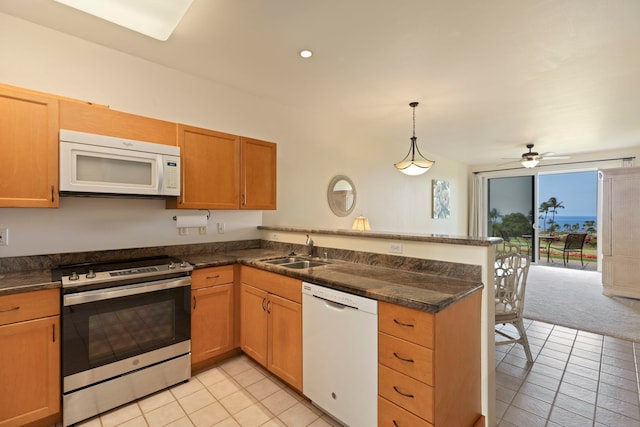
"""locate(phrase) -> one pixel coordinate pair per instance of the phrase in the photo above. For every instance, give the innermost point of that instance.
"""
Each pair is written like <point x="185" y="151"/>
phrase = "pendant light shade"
<point x="414" y="163"/>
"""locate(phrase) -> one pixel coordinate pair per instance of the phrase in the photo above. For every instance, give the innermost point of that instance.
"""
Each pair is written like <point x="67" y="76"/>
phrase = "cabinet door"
<point x="210" y="169"/>
<point x="253" y="323"/>
<point x="29" y="371"/>
<point x="211" y="322"/>
<point x="259" y="161"/>
<point x="92" y="118"/>
<point x="285" y="340"/>
<point x="29" y="147"/>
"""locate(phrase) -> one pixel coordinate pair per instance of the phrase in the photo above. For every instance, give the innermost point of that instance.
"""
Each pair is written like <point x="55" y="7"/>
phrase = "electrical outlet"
<point x="221" y="227"/>
<point x="275" y="236"/>
<point x="183" y="231"/>
<point x="4" y="237"/>
<point x="395" y="248"/>
<point x="202" y="230"/>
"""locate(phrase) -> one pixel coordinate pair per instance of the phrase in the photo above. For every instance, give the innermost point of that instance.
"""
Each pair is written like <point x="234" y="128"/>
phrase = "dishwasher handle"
<point x="335" y="305"/>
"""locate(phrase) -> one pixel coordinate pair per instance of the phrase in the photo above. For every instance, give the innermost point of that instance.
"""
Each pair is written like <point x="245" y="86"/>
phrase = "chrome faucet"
<point x="309" y="244"/>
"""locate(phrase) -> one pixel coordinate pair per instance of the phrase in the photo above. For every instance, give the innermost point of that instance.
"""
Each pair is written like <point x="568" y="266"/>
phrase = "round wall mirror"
<point x="341" y="195"/>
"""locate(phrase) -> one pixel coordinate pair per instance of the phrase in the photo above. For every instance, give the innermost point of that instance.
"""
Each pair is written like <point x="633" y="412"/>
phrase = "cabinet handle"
<point x="402" y="358"/>
<point x="410" y="396"/>
<point x="244" y="199"/>
<point x="269" y="306"/>
<point x="194" y="302"/>
<point x="408" y="325"/>
<point x="264" y="302"/>
<point x="52" y="193"/>
<point x="10" y="309"/>
<point x="53" y="334"/>
<point x="395" y="423"/>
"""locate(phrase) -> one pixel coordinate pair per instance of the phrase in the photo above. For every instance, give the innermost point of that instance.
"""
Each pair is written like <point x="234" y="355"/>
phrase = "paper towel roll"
<point x="190" y="221"/>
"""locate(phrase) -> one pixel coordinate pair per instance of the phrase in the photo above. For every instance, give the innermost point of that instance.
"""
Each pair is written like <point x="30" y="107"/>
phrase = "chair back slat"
<point x="510" y="275"/>
<point x="574" y="240"/>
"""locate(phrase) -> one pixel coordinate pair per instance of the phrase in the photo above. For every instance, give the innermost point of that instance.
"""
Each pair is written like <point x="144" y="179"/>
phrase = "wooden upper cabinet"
<point x="29" y="147"/>
<point x="259" y="171"/>
<point x="224" y="171"/>
<point x="92" y="118"/>
<point x="210" y="169"/>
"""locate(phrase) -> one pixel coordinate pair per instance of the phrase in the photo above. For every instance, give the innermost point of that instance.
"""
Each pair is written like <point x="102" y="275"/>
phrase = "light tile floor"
<point x="237" y="392"/>
<point x="577" y="379"/>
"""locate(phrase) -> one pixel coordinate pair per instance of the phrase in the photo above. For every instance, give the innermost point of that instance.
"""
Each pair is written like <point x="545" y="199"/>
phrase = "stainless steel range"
<point x="126" y="332"/>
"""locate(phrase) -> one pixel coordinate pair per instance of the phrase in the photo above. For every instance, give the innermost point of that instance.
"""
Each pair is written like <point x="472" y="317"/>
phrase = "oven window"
<point x="130" y="329"/>
<point x="101" y="332"/>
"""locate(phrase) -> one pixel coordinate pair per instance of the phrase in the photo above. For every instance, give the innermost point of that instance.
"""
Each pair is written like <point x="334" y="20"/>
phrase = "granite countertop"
<point x="426" y="292"/>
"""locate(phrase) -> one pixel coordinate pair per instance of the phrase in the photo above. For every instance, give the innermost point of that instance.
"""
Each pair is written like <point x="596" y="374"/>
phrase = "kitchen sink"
<point x="295" y="262"/>
<point x="304" y="264"/>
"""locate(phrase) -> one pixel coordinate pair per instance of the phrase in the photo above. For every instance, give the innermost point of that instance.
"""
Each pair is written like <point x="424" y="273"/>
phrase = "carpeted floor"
<point x="573" y="298"/>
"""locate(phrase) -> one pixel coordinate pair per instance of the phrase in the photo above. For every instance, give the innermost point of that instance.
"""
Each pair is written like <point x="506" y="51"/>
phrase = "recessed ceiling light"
<point x="306" y="53"/>
<point x="151" y="18"/>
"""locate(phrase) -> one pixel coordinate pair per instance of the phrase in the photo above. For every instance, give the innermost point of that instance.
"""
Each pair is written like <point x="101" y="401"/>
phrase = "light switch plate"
<point x="395" y="248"/>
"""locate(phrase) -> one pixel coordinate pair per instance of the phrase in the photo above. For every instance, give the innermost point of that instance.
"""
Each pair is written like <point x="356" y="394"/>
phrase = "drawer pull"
<point x="410" y="396"/>
<point x="395" y="423"/>
<point x="213" y="277"/>
<point x="10" y="309"/>
<point x="194" y="302"/>
<point x="408" y="325"/>
<point x="264" y="304"/>
<point x="402" y="358"/>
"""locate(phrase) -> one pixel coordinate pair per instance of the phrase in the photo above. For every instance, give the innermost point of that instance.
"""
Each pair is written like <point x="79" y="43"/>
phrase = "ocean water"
<point x="561" y="220"/>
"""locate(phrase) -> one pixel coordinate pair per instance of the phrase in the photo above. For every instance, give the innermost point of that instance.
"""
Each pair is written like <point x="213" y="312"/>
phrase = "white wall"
<point x="310" y="151"/>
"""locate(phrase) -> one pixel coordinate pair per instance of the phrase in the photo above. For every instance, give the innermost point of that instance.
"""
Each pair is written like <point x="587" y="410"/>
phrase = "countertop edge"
<point x="430" y="238"/>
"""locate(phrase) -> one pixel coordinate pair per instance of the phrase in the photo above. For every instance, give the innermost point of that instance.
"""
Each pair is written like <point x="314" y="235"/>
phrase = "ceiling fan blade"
<point x="554" y="157"/>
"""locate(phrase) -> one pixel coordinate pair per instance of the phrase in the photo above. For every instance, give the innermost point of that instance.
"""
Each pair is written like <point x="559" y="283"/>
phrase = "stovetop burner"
<point x="112" y="272"/>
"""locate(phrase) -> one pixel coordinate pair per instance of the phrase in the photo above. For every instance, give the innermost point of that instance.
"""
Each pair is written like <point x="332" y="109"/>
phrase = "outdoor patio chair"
<point x="513" y="241"/>
<point x="510" y="279"/>
<point x="574" y="242"/>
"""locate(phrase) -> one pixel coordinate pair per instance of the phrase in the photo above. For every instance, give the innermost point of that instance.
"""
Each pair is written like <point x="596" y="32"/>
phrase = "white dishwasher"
<point x="340" y="354"/>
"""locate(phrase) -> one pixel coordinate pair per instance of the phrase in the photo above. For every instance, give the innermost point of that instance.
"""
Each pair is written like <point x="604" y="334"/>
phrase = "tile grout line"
<point x="564" y="370"/>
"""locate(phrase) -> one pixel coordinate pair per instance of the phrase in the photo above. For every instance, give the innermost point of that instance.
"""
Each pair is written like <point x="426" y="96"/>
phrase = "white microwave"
<point x="105" y="165"/>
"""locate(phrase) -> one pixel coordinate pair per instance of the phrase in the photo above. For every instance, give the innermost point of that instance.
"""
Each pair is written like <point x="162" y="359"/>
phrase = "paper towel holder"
<point x="175" y="218"/>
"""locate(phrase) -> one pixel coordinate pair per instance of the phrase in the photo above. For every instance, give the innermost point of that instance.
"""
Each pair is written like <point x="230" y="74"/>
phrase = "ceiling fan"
<point x="530" y="159"/>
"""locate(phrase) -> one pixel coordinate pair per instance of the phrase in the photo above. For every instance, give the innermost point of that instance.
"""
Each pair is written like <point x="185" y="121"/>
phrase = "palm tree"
<point x="494" y="215"/>
<point x="544" y="208"/>
<point x="554" y="205"/>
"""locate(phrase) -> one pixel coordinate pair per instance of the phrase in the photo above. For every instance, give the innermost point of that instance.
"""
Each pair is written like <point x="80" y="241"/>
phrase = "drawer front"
<point x="411" y="325"/>
<point x="391" y="415"/>
<point x="29" y="305"/>
<point x="214" y="276"/>
<point x="405" y="357"/>
<point x="406" y="392"/>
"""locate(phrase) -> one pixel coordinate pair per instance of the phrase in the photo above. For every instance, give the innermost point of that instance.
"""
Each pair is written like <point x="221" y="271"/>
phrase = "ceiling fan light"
<point x="530" y="162"/>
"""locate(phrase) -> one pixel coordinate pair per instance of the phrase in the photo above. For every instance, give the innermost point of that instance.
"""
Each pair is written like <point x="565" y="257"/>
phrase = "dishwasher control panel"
<point x="339" y="297"/>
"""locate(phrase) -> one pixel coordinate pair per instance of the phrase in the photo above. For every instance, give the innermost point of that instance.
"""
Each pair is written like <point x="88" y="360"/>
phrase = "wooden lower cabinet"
<point x="271" y="323"/>
<point x="213" y="319"/>
<point x="429" y="365"/>
<point x="30" y="358"/>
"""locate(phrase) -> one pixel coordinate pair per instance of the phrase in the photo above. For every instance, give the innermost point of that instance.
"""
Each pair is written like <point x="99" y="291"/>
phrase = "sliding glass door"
<point x="512" y="213"/>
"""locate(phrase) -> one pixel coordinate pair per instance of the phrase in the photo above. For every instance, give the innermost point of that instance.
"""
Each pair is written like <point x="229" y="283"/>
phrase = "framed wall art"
<point x="441" y="199"/>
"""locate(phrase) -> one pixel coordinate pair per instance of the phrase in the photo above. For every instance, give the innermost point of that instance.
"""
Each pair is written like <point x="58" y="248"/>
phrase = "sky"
<point x="577" y="191"/>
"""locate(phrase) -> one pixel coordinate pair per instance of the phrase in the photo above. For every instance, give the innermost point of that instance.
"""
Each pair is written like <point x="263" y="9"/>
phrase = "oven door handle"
<point x="124" y="291"/>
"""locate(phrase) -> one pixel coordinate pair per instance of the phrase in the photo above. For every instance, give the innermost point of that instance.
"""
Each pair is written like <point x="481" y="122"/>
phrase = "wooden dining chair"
<point x="510" y="279"/>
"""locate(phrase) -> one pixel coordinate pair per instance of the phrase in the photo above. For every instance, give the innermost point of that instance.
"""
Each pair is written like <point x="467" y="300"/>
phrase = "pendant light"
<point x="419" y="164"/>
